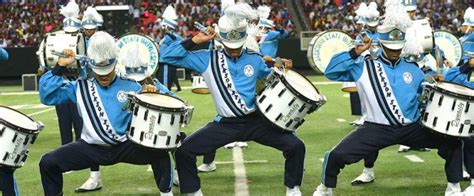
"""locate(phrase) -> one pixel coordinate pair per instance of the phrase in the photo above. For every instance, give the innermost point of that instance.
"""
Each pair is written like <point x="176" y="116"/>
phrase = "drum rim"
<point x="443" y="134"/>
<point x="17" y="128"/>
<point x="155" y="107"/>
<point x="294" y="91"/>
<point x="310" y="56"/>
<point x="151" y="148"/>
<point x="437" y="88"/>
<point x="462" y="49"/>
<point x="154" y="44"/>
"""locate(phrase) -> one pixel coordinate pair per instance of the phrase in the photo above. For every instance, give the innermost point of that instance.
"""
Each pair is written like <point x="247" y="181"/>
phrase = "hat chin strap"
<point x="468" y="29"/>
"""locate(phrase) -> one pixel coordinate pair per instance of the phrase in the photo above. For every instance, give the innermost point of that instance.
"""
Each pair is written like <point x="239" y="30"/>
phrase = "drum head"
<point x="160" y="100"/>
<point x="424" y="34"/>
<point x="17" y="119"/>
<point x="457" y="89"/>
<point x="324" y="46"/>
<point x="450" y="45"/>
<point x="148" y="51"/>
<point x="302" y="85"/>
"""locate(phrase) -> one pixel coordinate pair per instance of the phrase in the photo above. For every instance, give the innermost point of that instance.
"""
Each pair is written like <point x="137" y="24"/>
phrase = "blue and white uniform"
<point x="389" y="92"/>
<point x="269" y="44"/>
<point x="167" y="74"/>
<point x="3" y="54"/>
<point x="232" y="83"/>
<point x="106" y="121"/>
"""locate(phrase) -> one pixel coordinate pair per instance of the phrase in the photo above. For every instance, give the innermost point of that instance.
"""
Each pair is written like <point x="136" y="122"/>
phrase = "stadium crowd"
<point x="444" y="15"/>
<point x="25" y="23"/>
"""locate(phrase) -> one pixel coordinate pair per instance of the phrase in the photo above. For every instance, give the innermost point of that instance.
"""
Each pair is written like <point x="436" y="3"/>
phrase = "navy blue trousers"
<point x="7" y="182"/>
<point x="209" y="157"/>
<point x="68" y="116"/>
<point x="251" y="127"/>
<point x="468" y="150"/>
<point x="370" y="138"/>
<point x="81" y="155"/>
<point x="166" y="74"/>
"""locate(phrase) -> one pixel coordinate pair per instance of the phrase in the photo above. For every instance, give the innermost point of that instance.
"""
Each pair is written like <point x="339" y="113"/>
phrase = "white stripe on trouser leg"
<point x="240" y="186"/>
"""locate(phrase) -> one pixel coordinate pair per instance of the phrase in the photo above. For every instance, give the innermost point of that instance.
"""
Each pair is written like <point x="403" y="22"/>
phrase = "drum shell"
<point x="448" y="113"/>
<point x="284" y="107"/>
<point x="424" y="34"/>
<point x="450" y="45"/>
<point x="199" y="85"/>
<point x="324" y="45"/>
<point x="156" y="128"/>
<point x="58" y="41"/>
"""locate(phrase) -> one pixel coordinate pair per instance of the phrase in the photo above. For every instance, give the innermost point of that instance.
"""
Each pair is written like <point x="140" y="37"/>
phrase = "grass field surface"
<point x="395" y="174"/>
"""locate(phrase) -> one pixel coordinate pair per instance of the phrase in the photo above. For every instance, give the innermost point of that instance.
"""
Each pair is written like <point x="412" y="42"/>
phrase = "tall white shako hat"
<point x="373" y="15"/>
<point x="233" y="25"/>
<point x="410" y="5"/>
<point x="91" y="19"/>
<point x="263" y="14"/>
<point x="395" y="23"/>
<point x="103" y="51"/>
<point x="361" y="12"/>
<point x="71" y="23"/>
<point x="169" y="18"/>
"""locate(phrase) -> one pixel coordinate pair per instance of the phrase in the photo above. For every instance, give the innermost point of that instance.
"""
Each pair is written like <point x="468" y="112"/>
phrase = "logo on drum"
<point x="248" y="70"/>
<point x="455" y="122"/>
<point x="121" y="96"/>
<point x="407" y="77"/>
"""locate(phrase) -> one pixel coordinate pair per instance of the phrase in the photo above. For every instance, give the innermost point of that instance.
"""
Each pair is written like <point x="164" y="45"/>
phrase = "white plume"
<point x="132" y="57"/>
<point x="170" y="13"/>
<point x="89" y="14"/>
<point x="362" y="10"/>
<point x="70" y="10"/>
<point x="251" y="41"/>
<point x="225" y="4"/>
<point x="468" y="13"/>
<point x="412" y="45"/>
<point x="372" y="10"/>
<point x="241" y="12"/>
<point x="264" y="11"/>
<point x="396" y="16"/>
<point x="102" y="47"/>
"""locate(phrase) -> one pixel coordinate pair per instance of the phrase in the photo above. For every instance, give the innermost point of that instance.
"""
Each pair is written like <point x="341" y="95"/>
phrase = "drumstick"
<point x="77" y="57"/>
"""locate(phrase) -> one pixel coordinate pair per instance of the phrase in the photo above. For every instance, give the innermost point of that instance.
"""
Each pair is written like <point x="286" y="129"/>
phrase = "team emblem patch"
<point x="121" y="96"/>
<point x="248" y="70"/>
<point x="407" y="77"/>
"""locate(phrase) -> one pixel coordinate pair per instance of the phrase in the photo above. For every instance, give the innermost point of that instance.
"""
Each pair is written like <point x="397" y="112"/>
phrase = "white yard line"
<point x="42" y="111"/>
<point x="321" y="159"/>
<point x="240" y="186"/>
<point x="341" y="120"/>
<point x="414" y="158"/>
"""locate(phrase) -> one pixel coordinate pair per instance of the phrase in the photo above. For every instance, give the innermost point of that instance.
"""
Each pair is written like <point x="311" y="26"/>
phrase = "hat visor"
<point x="373" y="23"/>
<point x="70" y="29"/>
<point x="410" y="8"/>
<point x="103" y="70"/>
<point x="393" y="45"/>
<point x="89" y="26"/>
<point x="234" y="44"/>
<point x="466" y="23"/>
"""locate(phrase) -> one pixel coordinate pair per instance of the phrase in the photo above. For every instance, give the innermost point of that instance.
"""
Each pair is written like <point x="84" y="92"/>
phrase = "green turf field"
<point x="395" y="174"/>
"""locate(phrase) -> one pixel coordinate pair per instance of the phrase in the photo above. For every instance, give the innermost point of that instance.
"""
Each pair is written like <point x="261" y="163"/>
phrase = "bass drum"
<point x="148" y="50"/>
<point x="324" y="45"/>
<point x="450" y="45"/>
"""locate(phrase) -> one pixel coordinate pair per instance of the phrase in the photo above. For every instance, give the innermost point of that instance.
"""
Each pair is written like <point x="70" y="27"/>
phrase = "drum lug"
<point x="146" y="115"/>
<point x="2" y="130"/>
<point x="435" y="120"/>
<point x="262" y="98"/>
<point x="278" y="117"/>
<point x="471" y="129"/>
<point x="454" y="105"/>
<point x="159" y="118"/>
<point x="281" y="92"/>
<point x="135" y="111"/>
<point x="168" y="140"/>
<point x="298" y="124"/>
<point x="172" y="119"/>
<point x="5" y="156"/>
<point x="14" y="137"/>
<point x="461" y="128"/>
<point x="292" y="101"/>
<point x="155" y="139"/>
<point x="425" y="116"/>
<point x="289" y="123"/>
<point x="132" y="131"/>
<point x="467" y="108"/>
<point x="302" y="108"/>
<point x="440" y="102"/>
<point x="447" y="125"/>
<point x="141" y="136"/>
<point x="26" y="140"/>
<point x="268" y="108"/>
<point x="24" y="157"/>
<point x="34" y="139"/>
<point x="17" y="159"/>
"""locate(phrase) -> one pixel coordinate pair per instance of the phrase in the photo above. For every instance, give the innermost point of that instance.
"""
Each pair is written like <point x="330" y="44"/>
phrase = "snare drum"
<point x="449" y="109"/>
<point x="199" y="86"/>
<point x="59" y="41"/>
<point x="424" y="34"/>
<point x="288" y="98"/>
<point x="324" y="45"/>
<point x="17" y="133"/>
<point x="157" y="120"/>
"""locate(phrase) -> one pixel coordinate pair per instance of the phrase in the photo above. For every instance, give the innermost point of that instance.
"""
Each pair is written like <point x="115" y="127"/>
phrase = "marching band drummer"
<point x="394" y="85"/>
<point x="231" y="75"/>
<point x="269" y="38"/>
<point x="91" y="20"/>
<point x="8" y="186"/>
<point x="101" y="102"/>
<point x="167" y="74"/>
<point x="461" y="74"/>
